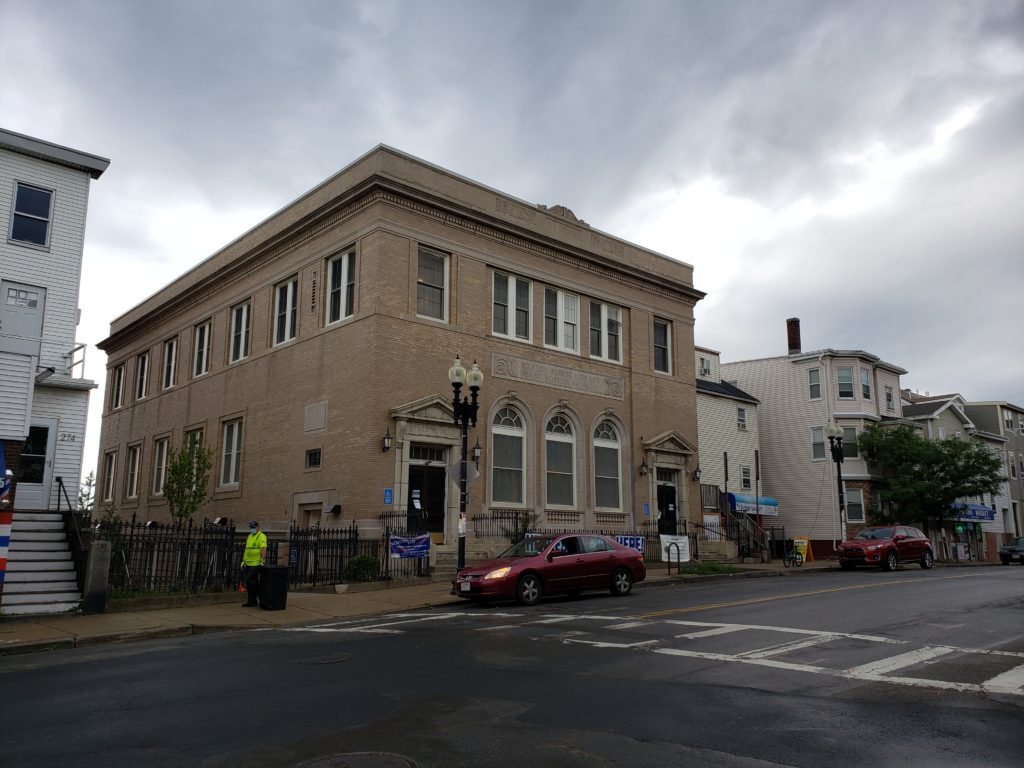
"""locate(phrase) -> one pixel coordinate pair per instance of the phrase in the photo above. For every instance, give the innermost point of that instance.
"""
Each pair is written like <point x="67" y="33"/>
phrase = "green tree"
<point x="188" y="474"/>
<point x="87" y="494"/>
<point x="923" y="478"/>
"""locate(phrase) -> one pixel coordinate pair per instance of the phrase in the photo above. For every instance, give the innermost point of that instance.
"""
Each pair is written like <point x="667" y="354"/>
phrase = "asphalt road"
<point x="914" y="668"/>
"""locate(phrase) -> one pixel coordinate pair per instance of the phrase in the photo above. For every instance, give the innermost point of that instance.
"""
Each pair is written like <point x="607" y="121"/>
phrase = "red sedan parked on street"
<point x="550" y="564"/>
<point x="887" y="546"/>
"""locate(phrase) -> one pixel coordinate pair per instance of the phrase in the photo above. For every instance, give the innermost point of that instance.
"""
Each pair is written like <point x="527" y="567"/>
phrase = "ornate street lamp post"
<point x="464" y="413"/>
<point x="835" y="444"/>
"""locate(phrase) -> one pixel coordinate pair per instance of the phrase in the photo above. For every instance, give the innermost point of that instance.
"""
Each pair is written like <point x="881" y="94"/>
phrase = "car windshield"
<point x="528" y="547"/>
<point x="875" y="533"/>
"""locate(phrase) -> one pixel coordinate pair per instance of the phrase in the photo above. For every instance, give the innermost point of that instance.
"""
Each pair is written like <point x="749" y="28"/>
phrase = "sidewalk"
<point x="40" y="633"/>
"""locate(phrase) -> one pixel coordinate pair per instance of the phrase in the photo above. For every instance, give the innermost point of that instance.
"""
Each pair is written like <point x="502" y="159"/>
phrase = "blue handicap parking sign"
<point x="389" y="496"/>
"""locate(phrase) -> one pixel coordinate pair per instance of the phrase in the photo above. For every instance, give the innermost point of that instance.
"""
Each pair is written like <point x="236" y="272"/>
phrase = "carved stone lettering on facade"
<point x="515" y="211"/>
<point x="556" y="376"/>
<point x="605" y="245"/>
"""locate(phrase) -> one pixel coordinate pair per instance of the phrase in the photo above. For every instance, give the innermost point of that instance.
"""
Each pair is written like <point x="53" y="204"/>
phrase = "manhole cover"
<point x="360" y="760"/>
<point x="331" y="658"/>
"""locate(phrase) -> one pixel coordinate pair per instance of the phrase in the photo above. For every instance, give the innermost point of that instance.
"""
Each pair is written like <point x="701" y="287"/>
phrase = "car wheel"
<point x="622" y="582"/>
<point x="927" y="561"/>
<point x="529" y="589"/>
<point x="846" y="566"/>
<point x="891" y="562"/>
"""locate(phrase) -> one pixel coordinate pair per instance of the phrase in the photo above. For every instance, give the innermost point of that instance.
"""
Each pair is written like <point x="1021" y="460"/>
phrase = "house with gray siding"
<point x="800" y="393"/>
<point x="1007" y="420"/>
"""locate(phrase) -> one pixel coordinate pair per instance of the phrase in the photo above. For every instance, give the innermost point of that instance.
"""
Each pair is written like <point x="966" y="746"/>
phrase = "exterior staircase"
<point x="40" y="572"/>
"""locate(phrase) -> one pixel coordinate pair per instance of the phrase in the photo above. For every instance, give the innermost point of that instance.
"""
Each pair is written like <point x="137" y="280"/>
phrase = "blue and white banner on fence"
<point x="636" y="542"/>
<point x="410" y="546"/>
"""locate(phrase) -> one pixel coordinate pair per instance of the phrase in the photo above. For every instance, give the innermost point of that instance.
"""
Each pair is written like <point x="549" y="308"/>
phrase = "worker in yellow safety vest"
<point x="253" y="560"/>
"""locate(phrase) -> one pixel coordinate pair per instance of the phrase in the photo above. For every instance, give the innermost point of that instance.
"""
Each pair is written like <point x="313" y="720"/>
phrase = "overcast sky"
<point x="859" y="165"/>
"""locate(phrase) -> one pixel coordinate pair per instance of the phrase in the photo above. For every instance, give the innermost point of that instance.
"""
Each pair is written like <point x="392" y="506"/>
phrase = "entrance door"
<point x="426" y="502"/>
<point x="667" y="520"/>
<point x="21" y="318"/>
<point x="36" y="472"/>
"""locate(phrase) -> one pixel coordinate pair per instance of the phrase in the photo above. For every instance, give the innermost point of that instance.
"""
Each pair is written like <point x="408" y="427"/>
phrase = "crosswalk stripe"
<point x="1011" y="681"/>
<point x="892" y="663"/>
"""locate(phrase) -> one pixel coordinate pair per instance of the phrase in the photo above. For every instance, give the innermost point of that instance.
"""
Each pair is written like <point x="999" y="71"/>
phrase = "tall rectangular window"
<point x="109" y="468"/>
<point x="170" y="362"/>
<point x="286" y="310"/>
<point x="507" y="457"/>
<point x="231" y="453"/>
<point x="117" y="387"/>
<point x="131" y="490"/>
<point x="141" y="376"/>
<point x="854" y="505"/>
<point x="844" y="379"/>
<point x="705" y="366"/>
<point x="201" y="349"/>
<point x="741" y="419"/>
<point x="662" y="346"/>
<point x="814" y="383"/>
<point x="510" y="306"/>
<point x="341" y="286"/>
<point x="1013" y="466"/>
<point x="745" y="478"/>
<point x="817" y="442"/>
<point x="30" y="222"/>
<point x="865" y="383"/>
<point x="605" y="331"/>
<point x="160" y="465"/>
<point x="240" y="319"/>
<point x="850" y="443"/>
<point x="561" y="320"/>
<point x="432" y="284"/>
<point x="890" y="403"/>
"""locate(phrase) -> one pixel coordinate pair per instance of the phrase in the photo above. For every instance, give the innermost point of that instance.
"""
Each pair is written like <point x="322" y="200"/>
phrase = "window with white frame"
<point x="817" y="442"/>
<point x="561" y="320"/>
<point x="1020" y="463"/>
<point x="142" y="376"/>
<point x="1008" y="419"/>
<point x="30" y="220"/>
<point x="745" y="478"/>
<point x="1020" y="424"/>
<point x="231" y="453"/>
<point x="109" y="468"/>
<point x="510" y="308"/>
<point x="508" y="457"/>
<point x="942" y="433"/>
<point x="865" y="383"/>
<point x="854" y="505"/>
<point x="741" y="419"/>
<point x="170" y="362"/>
<point x="160" y="446"/>
<point x="201" y="349"/>
<point x="605" y="331"/>
<point x="814" y="383"/>
<point x="286" y="310"/>
<point x="432" y="283"/>
<point x="341" y="286"/>
<point x="131" y="489"/>
<point x="662" y="346"/>
<point x="560" y="444"/>
<point x="1013" y="466"/>
<point x="607" y="483"/>
<point x="844" y="382"/>
<point x="705" y="367"/>
<point x="240" y="321"/>
<point x="890" y="403"/>
<point x="314" y="458"/>
<point x="850" y="443"/>
<point x="117" y="387"/>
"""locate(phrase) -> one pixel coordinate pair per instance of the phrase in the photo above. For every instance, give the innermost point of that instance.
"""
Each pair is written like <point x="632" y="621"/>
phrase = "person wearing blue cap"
<point x="253" y="560"/>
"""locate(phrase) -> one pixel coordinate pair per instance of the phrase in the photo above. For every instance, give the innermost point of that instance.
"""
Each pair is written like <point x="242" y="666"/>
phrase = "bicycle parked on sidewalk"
<point x="792" y="556"/>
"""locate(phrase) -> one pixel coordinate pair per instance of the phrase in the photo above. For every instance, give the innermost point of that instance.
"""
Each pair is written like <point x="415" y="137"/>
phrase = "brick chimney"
<point x="793" y="335"/>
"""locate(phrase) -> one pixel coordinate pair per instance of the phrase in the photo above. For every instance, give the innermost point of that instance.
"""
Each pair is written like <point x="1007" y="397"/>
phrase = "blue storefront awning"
<point x="968" y="512"/>
<point x="745" y="502"/>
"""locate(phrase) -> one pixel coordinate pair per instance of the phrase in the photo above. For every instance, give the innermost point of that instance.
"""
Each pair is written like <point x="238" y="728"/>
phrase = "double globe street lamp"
<point x="464" y="410"/>
<point x="835" y="443"/>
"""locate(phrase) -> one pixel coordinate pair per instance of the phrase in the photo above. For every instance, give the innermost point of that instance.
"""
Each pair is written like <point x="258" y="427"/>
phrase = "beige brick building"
<point x="298" y="346"/>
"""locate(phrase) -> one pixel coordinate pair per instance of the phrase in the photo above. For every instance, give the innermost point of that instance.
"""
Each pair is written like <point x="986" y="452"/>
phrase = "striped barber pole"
<point x="6" y="516"/>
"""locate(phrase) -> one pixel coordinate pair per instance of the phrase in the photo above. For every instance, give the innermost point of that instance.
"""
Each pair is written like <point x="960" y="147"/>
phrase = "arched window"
<point x="607" y="487"/>
<point x="507" y="457"/>
<point x="561" y="453"/>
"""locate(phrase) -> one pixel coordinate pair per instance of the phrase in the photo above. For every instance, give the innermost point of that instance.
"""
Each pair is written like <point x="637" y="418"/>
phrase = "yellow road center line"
<point x="811" y="593"/>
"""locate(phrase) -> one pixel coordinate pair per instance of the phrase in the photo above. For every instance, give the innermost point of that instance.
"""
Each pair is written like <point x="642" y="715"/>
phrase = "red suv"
<point x="886" y="546"/>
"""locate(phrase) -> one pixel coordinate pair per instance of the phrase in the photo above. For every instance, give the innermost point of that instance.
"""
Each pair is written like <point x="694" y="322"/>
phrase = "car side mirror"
<point x="551" y="556"/>
<point x="900" y="537"/>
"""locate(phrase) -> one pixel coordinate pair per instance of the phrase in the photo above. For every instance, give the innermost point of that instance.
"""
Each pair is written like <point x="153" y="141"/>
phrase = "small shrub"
<point x="362" y="568"/>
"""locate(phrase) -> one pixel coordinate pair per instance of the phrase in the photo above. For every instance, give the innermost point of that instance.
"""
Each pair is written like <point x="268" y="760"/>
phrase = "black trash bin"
<point x="274" y="587"/>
